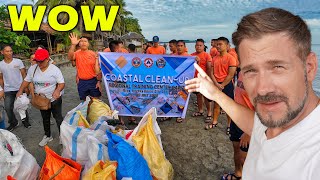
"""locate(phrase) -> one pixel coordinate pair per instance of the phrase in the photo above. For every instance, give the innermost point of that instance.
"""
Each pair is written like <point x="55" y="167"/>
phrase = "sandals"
<point x="196" y="114"/>
<point x="165" y="119"/>
<point x="179" y="120"/>
<point x="228" y="131"/>
<point x="232" y="177"/>
<point x="208" y="119"/>
<point x="211" y="125"/>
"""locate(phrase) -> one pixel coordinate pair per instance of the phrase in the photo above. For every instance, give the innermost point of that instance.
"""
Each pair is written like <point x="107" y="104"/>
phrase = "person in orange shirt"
<point x="224" y="68"/>
<point x="240" y="140"/>
<point x="181" y="48"/>
<point x="213" y="51"/>
<point x="116" y="47"/>
<point x="173" y="46"/>
<point x="88" y="69"/>
<point x="156" y="48"/>
<point x="121" y="49"/>
<point x="204" y="61"/>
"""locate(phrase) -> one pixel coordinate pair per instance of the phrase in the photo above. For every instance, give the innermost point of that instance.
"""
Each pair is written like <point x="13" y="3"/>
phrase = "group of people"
<point x="272" y="101"/>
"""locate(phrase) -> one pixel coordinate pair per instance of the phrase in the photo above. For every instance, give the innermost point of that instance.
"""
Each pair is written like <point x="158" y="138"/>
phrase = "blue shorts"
<point x="229" y="90"/>
<point x="235" y="134"/>
<point x="88" y="88"/>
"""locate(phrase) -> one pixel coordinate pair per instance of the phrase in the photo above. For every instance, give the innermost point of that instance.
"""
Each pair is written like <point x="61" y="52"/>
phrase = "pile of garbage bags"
<point x="95" y="149"/>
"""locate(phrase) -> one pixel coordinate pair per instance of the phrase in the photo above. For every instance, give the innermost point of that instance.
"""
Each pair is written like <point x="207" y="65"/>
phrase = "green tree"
<point x="19" y="43"/>
<point x="132" y="25"/>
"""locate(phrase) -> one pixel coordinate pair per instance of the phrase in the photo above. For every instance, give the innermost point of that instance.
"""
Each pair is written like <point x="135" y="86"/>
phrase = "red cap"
<point x="41" y="55"/>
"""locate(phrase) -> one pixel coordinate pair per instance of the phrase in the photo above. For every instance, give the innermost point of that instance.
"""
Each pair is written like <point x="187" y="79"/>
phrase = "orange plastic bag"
<point x="102" y="171"/>
<point x="59" y="168"/>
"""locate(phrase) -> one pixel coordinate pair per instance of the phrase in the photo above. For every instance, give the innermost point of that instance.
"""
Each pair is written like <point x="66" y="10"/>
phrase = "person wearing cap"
<point x="156" y="48"/>
<point x="48" y="80"/>
<point x="12" y="72"/>
<point x="88" y="69"/>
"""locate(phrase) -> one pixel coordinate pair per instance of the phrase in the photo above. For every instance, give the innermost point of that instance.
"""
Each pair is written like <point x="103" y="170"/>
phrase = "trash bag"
<point x="146" y="143"/>
<point x="98" y="108"/>
<point x="21" y="104"/>
<point x="82" y="107"/>
<point x="15" y="161"/>
<point x="102" y="171"/>
<point x="143" y="122"/>
<point x="130" y="162"/>
<point x="74" y="142"/>
<point x="58" y="168"/>
<point x="3" y="116"/>
<point x="97" y="151"/>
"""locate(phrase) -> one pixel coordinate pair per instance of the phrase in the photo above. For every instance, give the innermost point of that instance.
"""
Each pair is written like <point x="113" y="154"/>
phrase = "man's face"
<point x="212" y="43"/>
<point x="181" y="47"/>
<point x="155" y="44"/>
<point x="172" y="47"/>
<point x="120" y="45"/>
<point x="43" y="64"/>
<point x="7" y="52"/>
<point x="222" y="46"/>
<point x="274" y="77"/>
<point x="84" y="43"/>
<point x="199" y="47"/>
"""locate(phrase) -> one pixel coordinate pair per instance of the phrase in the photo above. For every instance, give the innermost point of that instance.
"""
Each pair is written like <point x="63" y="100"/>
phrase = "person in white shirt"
<point x="12" y="72"/>
<point x="278" y="68"/>
<point x="1" y="93"/>
<point x="48" y="80"/>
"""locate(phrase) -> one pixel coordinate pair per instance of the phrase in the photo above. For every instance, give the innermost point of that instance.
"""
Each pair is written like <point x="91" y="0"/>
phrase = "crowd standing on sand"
<point x="265" y="89"/>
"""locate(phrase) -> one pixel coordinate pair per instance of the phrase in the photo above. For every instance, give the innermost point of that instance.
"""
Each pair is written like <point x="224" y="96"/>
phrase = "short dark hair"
<point x="182" y="42"/>
<point x="173" y="41"/>
<point x="274" y="20"/>
<point x="4" y="46"/>
<point x="226" y="40"/>
<point x="200" y="40"/>
<point x="112" y="45"/>
<point x="120" y="41"/>
<point x="132" y="47"/>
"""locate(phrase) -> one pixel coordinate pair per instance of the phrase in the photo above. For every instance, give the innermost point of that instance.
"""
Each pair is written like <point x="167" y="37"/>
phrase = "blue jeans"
<point x="9" y="99"/>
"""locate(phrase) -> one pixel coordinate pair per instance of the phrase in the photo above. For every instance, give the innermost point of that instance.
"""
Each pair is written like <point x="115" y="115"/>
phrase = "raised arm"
<point x="74" y="41"/>
<point x="241" y="115"/>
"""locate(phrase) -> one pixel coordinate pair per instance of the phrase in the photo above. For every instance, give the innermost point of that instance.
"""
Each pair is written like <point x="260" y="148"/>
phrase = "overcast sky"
<point x="192" y="19"/>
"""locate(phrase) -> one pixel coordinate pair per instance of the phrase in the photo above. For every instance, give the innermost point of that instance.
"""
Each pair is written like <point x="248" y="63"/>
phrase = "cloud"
<point x="313" y="22"/>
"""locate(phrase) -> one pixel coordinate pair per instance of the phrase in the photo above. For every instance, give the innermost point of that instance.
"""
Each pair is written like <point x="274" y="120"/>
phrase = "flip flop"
<point x="231" y="175"/>
<point x="165" y="119"/>
<point x="211" y="125"/>
<point x="196" y="114"/>
<point x="208" y="119"/>
<point x="179" y="120"/>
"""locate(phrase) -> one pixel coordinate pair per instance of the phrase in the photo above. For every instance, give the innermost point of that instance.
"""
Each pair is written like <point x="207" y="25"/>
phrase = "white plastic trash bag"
<point x="21" y="104"/>
<point x="75" y="141"/>
<point x="96" y="151"/>
<point x="14" y="159"/>
<point x="82" y="107"/>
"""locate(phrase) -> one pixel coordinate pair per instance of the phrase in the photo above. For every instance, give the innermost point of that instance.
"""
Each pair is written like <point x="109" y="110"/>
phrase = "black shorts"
<point x="88" y="88"/>
<point x="235" y="134"/>
<point x="229" y="89"/>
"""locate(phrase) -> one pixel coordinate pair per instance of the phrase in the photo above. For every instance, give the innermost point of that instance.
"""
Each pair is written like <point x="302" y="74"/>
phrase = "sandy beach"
<point x="194" y="152"/>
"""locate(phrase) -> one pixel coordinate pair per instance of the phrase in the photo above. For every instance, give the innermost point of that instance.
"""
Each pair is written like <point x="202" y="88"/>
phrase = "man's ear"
<point x="311" y="66"/>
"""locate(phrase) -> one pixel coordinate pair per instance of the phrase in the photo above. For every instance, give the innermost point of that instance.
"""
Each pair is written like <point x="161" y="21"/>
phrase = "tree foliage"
<point x="132" y="25"/>
<point x="19" y="43"/>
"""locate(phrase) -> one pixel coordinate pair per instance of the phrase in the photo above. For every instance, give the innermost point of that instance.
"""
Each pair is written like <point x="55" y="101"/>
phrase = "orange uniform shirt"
<point x="233" y="53"/>
<point x="183" y="54"/>
<point x="221" y="66"/>
<point x="204" y="58"/>
<point x="241" y="95"/>
<point x="122" y="50"/>
<point x="214" y="52"/>
<point x="85" y="63"/>
<point x="156" y="50"/>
